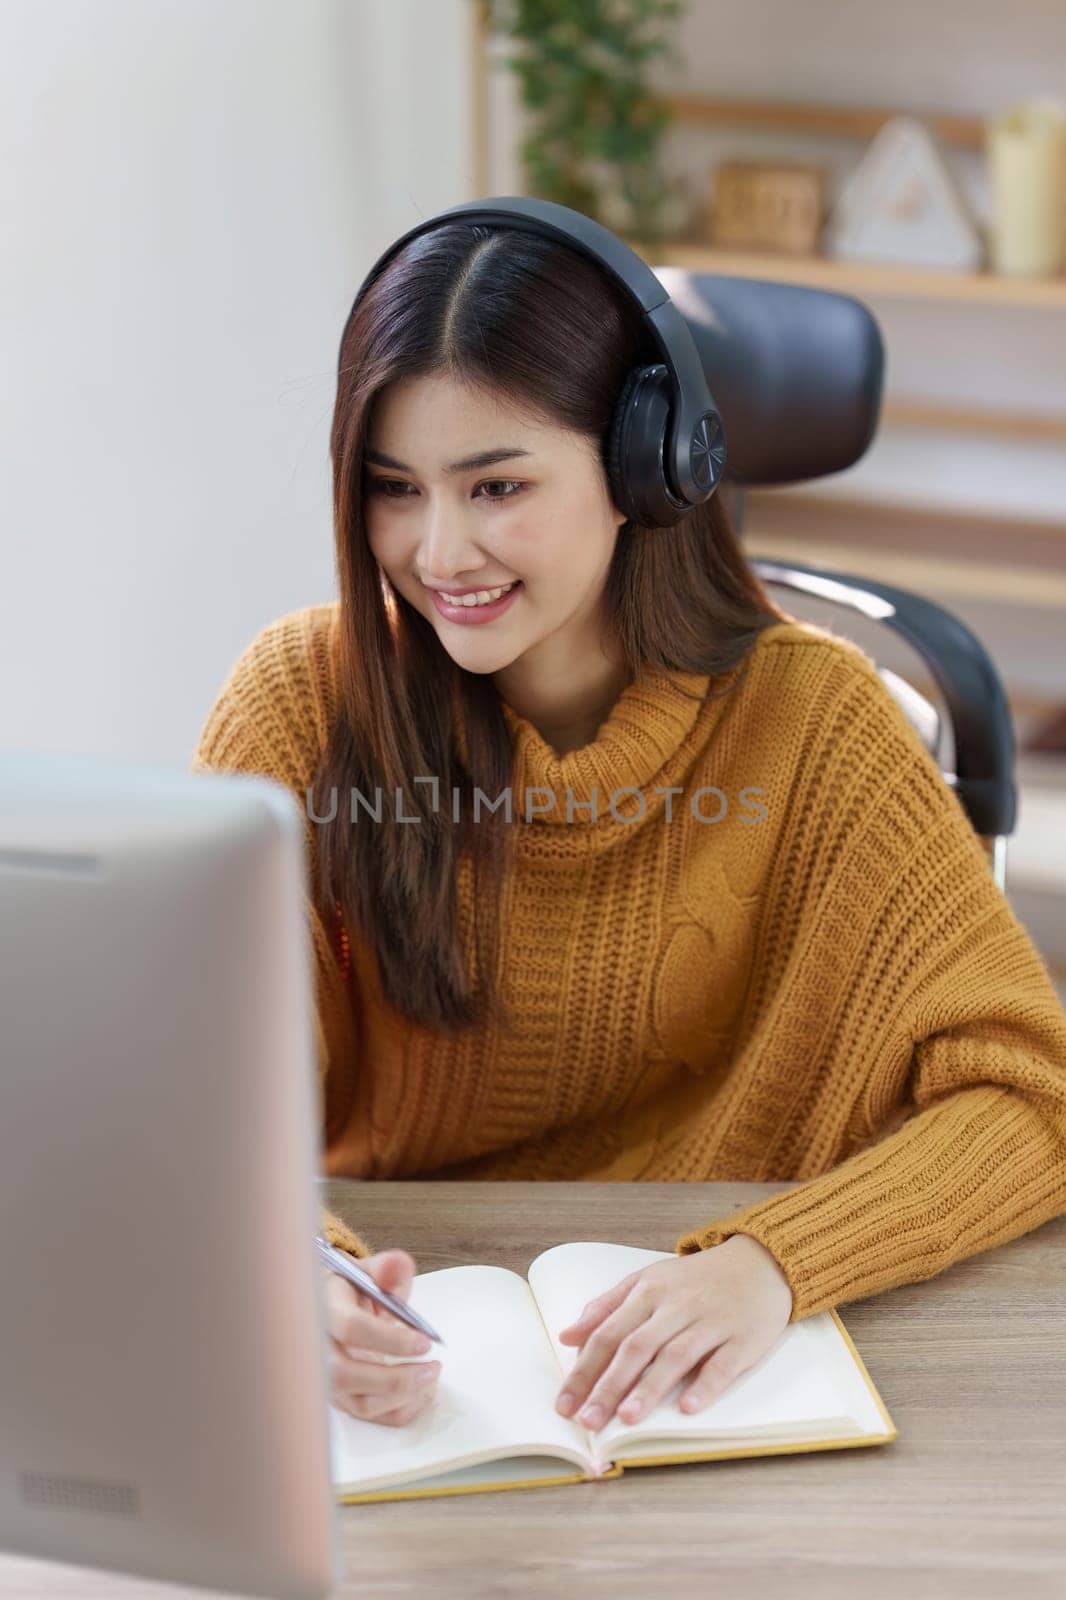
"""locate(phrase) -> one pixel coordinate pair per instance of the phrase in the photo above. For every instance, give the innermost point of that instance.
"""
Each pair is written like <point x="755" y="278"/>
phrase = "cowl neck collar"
<point x="633" y="747"/>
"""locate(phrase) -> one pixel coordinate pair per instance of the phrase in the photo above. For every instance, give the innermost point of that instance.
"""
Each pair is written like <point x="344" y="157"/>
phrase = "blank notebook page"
<point x="801" y="1380"/>
<point x="498" y="1382"/>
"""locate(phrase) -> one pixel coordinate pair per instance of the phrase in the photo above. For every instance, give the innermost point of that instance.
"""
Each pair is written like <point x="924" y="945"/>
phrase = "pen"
<point x="340" y="1261"/>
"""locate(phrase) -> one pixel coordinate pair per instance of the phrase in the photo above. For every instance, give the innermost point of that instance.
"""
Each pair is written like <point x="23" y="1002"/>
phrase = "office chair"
<point x="797" y="374"/>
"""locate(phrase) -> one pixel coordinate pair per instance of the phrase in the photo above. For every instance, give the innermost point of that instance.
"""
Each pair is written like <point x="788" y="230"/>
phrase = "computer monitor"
<point x="163" y="1375"/>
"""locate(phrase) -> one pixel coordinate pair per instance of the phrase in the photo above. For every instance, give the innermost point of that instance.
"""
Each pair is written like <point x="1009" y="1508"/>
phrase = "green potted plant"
<point x="596" y="126"/>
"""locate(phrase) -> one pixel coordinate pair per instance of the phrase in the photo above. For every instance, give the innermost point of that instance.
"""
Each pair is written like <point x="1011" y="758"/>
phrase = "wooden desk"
<point x="968" y="1502"/>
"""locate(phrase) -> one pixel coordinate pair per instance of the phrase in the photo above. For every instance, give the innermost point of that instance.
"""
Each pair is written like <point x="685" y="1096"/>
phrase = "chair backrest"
<point x="798" y="374"/>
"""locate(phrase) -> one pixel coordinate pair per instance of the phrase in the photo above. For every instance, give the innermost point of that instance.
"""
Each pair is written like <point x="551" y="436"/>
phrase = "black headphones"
<point x="665" y="447"/>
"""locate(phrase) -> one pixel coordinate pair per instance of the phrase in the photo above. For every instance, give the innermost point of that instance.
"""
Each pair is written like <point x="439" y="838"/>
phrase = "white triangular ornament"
<point x="901" y="205"/>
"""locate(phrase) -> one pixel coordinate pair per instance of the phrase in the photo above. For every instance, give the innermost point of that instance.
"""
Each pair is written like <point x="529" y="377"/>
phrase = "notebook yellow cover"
<point x="493" y="1425"/>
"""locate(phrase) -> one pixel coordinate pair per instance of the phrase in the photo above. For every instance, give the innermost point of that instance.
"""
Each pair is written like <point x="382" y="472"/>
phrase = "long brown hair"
<point x="542" y="326"/>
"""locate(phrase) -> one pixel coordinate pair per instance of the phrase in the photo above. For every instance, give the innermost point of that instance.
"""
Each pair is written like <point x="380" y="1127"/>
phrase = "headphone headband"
<point x="694" y="443"/>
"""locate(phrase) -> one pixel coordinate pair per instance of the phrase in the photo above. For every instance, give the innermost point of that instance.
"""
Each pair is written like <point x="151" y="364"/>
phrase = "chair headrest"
<point x="796" y="373"/>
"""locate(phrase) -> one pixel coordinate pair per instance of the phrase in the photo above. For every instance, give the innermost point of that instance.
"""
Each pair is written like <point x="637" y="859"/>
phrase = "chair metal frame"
<point x="798" y="376"/>
<point x="983" y="777"/>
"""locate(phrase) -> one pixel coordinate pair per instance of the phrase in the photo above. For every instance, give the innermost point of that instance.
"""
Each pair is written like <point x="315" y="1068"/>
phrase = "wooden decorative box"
<point x="755" y="206"/>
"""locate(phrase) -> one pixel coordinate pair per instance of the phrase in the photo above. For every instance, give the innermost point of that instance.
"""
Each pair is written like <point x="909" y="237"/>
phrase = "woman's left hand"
<point x="717" y="1311"/>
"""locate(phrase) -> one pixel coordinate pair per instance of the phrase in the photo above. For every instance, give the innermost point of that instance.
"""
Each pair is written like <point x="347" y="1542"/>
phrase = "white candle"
<point x="1026" y="150"/>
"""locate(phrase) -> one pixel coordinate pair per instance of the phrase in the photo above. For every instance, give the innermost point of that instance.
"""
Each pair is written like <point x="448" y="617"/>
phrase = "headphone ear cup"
<point x="635" y="446"/>
<point x="614" y="451"/>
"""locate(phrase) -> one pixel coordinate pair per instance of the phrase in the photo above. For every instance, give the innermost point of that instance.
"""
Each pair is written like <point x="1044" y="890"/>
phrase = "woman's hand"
<point x="710" y="1315"/>
<point x="362" y="1333"/>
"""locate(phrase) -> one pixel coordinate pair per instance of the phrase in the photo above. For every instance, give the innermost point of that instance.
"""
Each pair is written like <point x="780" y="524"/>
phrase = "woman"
<point x="735" y="925"/>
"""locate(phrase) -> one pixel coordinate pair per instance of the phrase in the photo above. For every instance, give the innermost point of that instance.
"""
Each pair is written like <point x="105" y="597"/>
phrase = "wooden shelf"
<point x="859" y="278"/>
<point x="790" y="116"/>
<point x="961" y="554"/>
<point x="988" y="581"/>
<point x="1019" y="425"/>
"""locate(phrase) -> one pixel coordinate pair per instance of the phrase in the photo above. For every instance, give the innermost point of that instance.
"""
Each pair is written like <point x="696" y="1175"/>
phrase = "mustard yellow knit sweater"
<point x="834" y="992"/>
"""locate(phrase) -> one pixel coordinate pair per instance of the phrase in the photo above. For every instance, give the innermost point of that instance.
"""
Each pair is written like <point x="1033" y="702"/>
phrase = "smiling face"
<point x="538" y="518"/>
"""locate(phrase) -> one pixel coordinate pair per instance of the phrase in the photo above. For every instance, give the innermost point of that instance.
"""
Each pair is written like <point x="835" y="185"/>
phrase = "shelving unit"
<point x="942" y="554"/>
<point x="858" y="124"/>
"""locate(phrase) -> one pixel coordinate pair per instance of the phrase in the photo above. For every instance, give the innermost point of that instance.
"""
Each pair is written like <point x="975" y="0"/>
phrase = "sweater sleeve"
<point x="904" y="919"/>
<point x="338" y="1233"/>
<point x="231" y="742"/>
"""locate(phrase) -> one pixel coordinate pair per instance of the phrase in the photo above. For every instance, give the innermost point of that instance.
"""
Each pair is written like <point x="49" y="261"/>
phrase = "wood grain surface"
<point x="968" y="1502"/>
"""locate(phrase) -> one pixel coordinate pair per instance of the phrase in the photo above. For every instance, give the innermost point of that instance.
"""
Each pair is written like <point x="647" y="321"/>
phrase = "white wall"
<point x="193" y="191"/>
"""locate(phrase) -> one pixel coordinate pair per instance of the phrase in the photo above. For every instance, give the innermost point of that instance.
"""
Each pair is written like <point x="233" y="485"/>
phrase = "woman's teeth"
<point x="480" y="598"/>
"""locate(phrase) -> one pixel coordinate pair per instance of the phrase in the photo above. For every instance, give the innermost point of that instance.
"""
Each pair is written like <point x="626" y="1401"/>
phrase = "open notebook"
<point x="493" y="1424"/>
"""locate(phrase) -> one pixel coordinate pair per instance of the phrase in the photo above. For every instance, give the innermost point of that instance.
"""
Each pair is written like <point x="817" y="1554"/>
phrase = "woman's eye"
<point x="502" y="483"/>
<point x="385" y="486"/>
